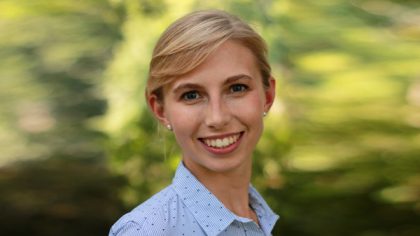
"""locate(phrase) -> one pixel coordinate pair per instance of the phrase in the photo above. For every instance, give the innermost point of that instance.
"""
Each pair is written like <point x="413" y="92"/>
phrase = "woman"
<point x="211" y="85"/>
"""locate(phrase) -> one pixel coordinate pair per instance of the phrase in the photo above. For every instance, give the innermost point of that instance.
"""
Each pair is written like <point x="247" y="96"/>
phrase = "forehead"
<point x="229" y="59"/>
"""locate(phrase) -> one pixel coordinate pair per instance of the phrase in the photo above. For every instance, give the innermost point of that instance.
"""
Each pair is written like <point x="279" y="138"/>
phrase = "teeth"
<point x="221" y="143"/>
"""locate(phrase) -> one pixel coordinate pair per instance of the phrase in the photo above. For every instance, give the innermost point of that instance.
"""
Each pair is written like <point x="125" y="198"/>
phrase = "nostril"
<point x="217" y="116"/>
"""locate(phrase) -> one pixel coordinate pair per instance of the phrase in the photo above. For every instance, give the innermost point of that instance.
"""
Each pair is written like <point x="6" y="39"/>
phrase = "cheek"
<point x="251" y="107"/>
<point x="184" y="121"/>
<point x="181" y="130"/>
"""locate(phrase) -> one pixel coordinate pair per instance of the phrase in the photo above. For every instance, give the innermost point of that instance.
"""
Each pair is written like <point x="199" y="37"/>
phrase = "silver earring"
<point x="169" y="127"/>
<point x="264" y="114"/>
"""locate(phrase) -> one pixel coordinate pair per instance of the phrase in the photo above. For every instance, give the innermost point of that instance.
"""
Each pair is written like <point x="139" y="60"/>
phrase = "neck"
<point x="231" y="188"/>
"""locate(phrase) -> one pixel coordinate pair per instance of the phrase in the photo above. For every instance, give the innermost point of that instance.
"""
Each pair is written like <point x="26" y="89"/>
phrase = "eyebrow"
<point x="237" y="77"/>
<point x="230" y="79"/>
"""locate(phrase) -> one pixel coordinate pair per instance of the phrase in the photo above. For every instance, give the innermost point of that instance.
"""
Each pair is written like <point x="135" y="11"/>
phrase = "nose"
<point x="218" y="114"/>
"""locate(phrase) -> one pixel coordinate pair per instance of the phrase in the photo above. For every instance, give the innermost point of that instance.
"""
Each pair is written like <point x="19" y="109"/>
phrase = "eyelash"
<point x="242" y="86"/>
<point x="185" y="96"/>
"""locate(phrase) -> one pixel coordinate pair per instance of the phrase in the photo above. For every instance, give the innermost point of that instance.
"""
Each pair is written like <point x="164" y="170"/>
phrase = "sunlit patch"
<point x="399" y="194"/>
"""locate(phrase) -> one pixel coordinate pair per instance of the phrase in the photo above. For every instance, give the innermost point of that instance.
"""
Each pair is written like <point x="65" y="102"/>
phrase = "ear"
<point x="270" y="94"/>
<point x="158" y="109"/>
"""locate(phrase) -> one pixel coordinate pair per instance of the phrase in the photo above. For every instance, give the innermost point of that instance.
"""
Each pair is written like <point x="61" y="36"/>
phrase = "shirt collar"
<point x="209" y="212"/>
<point x="265" y="215"/>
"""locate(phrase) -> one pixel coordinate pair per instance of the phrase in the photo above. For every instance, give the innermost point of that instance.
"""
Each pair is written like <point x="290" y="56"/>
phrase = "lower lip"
<point x="225" y="150"/>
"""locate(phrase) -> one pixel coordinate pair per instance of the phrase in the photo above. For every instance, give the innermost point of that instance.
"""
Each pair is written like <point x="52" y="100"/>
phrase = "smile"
<point x="221" y="142"/>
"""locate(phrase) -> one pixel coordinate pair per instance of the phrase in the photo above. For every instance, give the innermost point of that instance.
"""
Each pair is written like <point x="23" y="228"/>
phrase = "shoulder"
<point x="149" y="218"/>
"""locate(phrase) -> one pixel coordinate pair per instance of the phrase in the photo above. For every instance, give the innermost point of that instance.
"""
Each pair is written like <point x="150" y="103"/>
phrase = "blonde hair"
<point x="191" y="39"/>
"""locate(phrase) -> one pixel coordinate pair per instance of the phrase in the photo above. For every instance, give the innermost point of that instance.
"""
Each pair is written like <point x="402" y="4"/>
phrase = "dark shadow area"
<point x="59" y="197"/>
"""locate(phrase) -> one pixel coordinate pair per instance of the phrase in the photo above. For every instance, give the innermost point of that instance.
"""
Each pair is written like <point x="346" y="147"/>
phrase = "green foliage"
<point x="341" y="142"/>
<point x="340" y="153"/>
<point x="53" y="174"/>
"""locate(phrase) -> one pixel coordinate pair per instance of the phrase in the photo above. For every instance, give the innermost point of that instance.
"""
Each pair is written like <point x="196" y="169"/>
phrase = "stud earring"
<point x="264" y="114"/>
<point x="169" y="127"/>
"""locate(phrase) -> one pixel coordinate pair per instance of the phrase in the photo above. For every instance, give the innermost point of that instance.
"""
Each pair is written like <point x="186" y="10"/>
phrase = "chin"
<point x="223" y="166"/>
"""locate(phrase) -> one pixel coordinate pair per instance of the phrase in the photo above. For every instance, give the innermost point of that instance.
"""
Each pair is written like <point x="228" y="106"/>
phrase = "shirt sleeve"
<point x="130" y="228"/>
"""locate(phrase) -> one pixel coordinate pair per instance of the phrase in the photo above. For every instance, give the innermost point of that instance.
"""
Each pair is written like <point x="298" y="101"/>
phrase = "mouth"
<point x="221" y="142"/>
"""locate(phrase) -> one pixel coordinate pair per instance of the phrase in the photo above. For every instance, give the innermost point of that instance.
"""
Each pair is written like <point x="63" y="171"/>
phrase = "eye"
<point x="238" y="88"/>
<point x="190" y="95"/>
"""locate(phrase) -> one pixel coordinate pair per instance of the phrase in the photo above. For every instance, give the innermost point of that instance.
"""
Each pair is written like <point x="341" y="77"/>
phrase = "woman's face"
<point x="216" y="110"/>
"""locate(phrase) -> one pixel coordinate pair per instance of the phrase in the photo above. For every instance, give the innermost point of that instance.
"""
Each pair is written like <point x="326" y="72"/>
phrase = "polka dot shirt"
<point x="186" y="207"/>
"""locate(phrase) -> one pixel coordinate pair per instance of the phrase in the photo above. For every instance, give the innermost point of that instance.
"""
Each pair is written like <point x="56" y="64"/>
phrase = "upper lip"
<point x="221" y="135"/>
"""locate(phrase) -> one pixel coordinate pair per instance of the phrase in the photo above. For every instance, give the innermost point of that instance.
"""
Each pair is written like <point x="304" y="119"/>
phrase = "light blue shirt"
<point x="186" y="207"/>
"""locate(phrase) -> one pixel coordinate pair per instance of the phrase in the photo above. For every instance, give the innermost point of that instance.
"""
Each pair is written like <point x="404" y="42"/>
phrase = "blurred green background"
<point x="341" y="150"/>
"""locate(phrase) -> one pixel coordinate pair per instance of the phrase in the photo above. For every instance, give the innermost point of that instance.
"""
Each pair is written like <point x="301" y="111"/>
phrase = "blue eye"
<point x="191" y="95"/>
<point x="238" y="88"/>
